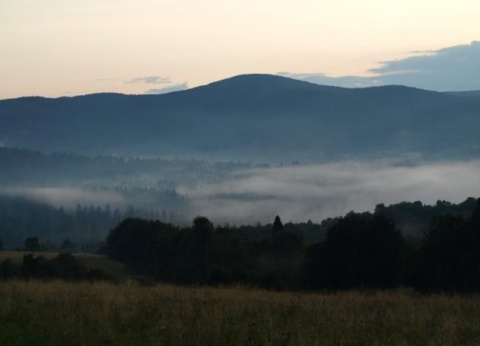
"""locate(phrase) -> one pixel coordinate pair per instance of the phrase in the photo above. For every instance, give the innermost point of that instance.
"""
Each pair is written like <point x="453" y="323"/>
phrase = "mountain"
<point x="472" y="93"/>
<point x="257" y="117"/>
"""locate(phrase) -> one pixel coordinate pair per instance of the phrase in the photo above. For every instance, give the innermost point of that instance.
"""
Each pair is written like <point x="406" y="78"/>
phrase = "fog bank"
<point x="316" y="192"/>
<point x="68" y="198"/>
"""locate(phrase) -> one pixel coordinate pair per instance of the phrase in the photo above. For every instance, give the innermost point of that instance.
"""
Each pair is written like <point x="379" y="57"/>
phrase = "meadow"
<point x="61" y="313"/>
<point x="90" y="261"/>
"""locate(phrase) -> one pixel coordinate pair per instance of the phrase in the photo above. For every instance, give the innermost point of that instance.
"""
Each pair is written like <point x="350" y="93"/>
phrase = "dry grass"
<point x="58" y="313"/>
<point x="17" y="256"/>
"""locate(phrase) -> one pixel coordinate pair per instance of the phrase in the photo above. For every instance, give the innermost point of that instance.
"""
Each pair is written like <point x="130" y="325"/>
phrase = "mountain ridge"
<point x="249" y="117"/>
<point x="253" y="78"/>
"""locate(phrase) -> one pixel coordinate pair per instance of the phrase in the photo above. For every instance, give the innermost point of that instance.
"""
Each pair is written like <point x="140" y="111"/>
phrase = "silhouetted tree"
<point x="31" y="244"/>
<point x="361" y="250"/>
<point x="203" y="228"/>
<point x="474" y="221"/>
<point x="8" y="270"/>
<point x="144" y="246"/>
<point x="66" y="267"/>
<point x="129" y="241"/>
<point x="35" y="267"/>
<point x="277" y="227"/>
<point x="67" y="245"/>
<point x="451" y="254"/>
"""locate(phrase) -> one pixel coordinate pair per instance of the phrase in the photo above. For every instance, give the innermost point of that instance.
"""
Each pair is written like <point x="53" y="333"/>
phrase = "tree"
<point x="361" y="250"/>
<point x="35" y="267"/>
<point x="31" y="244"/>
<point x="451" y="254"/>
<point x="196" y="258"/>
<point x="8" y="269"/>
<point x="144" y="246"/>
<point x="277" y="227"/>
<point x="66" y="267"/>
<point x="67" y="245"/>
<point x="474" y="221"/>
<point x="129" y="241"/>
<point x="203" y="227"/>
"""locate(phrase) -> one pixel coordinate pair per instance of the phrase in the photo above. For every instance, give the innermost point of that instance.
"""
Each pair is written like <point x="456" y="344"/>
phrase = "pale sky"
<point x="62" y="48"/>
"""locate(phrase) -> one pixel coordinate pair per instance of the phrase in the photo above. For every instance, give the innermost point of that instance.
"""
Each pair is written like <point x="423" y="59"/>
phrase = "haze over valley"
<point x="242" y="150"/>
<point x="300" y="192"/>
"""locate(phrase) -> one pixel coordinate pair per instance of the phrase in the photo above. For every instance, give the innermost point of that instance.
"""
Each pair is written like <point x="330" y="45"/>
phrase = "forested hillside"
<point x="359" y="251"/>
<point x="23" y="167"/>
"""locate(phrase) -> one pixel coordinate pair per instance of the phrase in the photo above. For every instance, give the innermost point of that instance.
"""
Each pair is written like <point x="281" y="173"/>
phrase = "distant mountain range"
<point x="251" y="117"/>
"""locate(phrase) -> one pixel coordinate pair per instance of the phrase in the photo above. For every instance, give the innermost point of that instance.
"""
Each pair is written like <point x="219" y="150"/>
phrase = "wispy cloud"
<point x="149" y="80"/>
<point x="168" y="89"/>
<point x="454" y="68"/>
<point x="458" y="59"/>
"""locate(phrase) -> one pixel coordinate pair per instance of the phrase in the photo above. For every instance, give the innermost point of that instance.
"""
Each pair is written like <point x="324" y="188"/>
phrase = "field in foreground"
<point x="59" y="313"/>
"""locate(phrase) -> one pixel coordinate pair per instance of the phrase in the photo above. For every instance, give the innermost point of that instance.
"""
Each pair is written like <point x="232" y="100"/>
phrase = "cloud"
<point x="447" y="60"/>
<point x="316" y="192"/>
<point x="149" y="80"/>
<point x="169" y="89"/>
<point x="454" y="68"/>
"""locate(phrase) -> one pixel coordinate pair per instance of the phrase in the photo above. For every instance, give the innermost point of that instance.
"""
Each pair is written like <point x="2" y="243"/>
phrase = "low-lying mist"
<point x="67" y="198"/>
<point x="297" y="193"/>
<point x="315" y="192"/>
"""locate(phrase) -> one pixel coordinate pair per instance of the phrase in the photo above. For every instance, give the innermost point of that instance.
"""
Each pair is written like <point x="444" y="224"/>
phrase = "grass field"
<point x="59" y="313"/>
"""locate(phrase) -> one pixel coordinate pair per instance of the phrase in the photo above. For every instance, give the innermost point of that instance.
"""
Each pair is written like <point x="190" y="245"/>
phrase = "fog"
<point x="316" y="192"/>
<point x="68" y="198"/>
<point x="296" y="193"/>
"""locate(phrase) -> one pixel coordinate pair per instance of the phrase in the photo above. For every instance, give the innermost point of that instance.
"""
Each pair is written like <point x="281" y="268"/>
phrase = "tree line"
<point x="63" y="266"/>
<point x="85" y="225"/>
<point x="24" y="167"/>
<point x="359" y="251"/>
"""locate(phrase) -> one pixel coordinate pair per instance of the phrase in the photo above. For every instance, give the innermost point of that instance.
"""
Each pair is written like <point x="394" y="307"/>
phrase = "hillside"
<point x="473" y="93"/>
<point x="250" y="117"/>
<point x="90" y="261"/>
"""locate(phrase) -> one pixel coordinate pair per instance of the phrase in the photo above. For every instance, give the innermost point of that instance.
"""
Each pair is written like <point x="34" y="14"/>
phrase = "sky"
<point x="62" y="48"/>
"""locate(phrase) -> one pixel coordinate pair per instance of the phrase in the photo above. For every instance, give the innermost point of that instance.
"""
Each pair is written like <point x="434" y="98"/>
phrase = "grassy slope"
<point x="100" y="314"/>
<point x="91" y="261"/>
